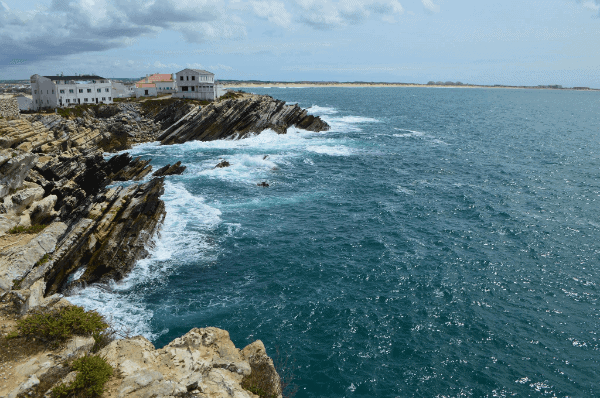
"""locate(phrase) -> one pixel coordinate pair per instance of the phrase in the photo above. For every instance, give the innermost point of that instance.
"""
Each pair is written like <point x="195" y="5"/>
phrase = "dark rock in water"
<point x="222" y="163"/>
<point x="168" y="170"/>
<point x="263" y="184"/>
<point x="237" y="118"/>
<point x="113" y="233"/>
<point x="265" y="157"/>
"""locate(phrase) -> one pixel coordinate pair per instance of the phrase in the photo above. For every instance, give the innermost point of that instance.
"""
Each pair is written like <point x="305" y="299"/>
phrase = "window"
<point x="193" y="77"/>
<point x="35" y="91"/>
<point x="52" y="91"/>
<point x="180" y="77"/>
<point x="46" y="91"/>
<point x="99" y="90"/>
<point x="89" y="90"/>
<point x="81" y="90"/>
<point x="184" y="88"/>
<point x="47" y="101"/>
<point x="109" y="99"/>
<point x="71" y="91"/>
<point x="85" y="100"/>
<point x="62" y="91"/>
<point x="187" y="78"/>
<point x="68" y="100"/>
<point x="36" y="101"/>
<point x="107" y="90"/>
<point x="193" y="88"/>
<point x="103" y="98"/>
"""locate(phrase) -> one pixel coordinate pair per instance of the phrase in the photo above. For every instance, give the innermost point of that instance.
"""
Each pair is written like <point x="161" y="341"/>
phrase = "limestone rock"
<point x="203" y="360"/>
<point x="18" y="260"/>
<point x="14" y="169"/>
<point x="237" y="118"/>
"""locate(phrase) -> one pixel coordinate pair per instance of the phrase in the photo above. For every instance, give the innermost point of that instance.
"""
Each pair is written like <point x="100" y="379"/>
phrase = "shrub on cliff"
<point x="58" y="325"/>
<point x="92" y="374"/>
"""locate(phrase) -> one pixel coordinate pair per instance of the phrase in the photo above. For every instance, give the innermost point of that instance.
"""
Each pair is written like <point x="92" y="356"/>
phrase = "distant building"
<point x="163" y="82"/>
<point x="195" y="83"/>
<point x="146" y="90"/>
<point x="59" y="91"/>
<point x="121" y="90"/>
<point x="25" y="103"/>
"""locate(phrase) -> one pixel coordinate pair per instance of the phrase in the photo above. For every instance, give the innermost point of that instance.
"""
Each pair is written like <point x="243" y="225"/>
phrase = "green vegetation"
<point x="77" y="110"/>
<point x="58" y="325"/>
<point x="43" y="260"/>
<point x="33" y="229"/>
<point x="230" y="95"/>
<point x="17" y="284"/>
<point x="92" y="374"/>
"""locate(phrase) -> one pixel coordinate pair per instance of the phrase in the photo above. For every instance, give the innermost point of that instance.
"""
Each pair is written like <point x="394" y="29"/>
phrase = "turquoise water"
<point x="434" y="243"/>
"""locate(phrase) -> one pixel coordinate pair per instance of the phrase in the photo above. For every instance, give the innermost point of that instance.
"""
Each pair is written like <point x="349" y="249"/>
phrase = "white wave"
<point x="317" y="110"/>
<point x="184" y="233"/>
<point x="410" y="133"/>
<point x="337" y="150"/>
<point x="243" y="167"/>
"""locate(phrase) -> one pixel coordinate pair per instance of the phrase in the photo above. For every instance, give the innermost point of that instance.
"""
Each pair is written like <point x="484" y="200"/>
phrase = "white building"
<point x="196" y="84"/>
<point x="59" y="91"/>
<point x="146" y="90"/>
<point x="163" y="82"/>
<point x="25" y="103"/>
<point x="121" y="90"/>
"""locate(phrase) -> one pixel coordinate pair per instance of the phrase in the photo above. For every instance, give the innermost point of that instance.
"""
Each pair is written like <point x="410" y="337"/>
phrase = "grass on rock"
<point x="34" y="229"/>
<point x="59" y="325"/>
<point x="92" y="374"/>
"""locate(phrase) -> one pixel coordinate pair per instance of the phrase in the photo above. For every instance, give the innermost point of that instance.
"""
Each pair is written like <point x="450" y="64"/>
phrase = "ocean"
<point x="436" y="242"/>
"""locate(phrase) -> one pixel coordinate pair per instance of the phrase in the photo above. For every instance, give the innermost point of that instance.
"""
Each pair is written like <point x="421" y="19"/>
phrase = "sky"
<point x="524" y="42"/>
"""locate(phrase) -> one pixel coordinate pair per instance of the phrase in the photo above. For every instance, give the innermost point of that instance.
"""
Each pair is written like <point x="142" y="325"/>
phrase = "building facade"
<point x="59" y="91"/>
<point x="195" y="83"/>
<point x="163" y="82"/>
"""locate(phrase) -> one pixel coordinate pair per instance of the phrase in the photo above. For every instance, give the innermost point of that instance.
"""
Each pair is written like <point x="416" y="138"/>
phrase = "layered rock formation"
<point x="235" y="118"/>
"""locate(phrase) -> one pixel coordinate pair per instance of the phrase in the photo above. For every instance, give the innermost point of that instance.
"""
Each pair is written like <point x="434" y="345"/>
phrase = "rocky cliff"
<point x="64" y="223"/>
<point x="235" y="118"/>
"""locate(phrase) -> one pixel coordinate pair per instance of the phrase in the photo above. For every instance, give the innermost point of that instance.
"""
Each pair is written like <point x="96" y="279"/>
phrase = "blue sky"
<point x="481" y="42"/>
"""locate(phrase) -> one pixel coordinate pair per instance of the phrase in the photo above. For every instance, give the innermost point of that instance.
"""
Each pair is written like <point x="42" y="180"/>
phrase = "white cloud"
<point x="430" y="6"/>
<point x="328" y="14"/>
<point x="273" y="11"/>
<point x="592" y="5"/>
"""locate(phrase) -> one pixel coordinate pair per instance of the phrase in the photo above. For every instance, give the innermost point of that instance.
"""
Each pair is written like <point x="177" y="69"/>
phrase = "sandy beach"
<point x="359" y="85"/>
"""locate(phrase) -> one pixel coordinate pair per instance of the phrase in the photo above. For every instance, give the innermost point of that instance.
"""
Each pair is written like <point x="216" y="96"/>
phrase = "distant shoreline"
<point x="363" y="85"/>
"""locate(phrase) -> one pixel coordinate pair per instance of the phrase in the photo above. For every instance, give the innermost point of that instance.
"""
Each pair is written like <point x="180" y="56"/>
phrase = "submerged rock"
<point x="168" y="170"/>
<point x="222" y="163"/>
<point x="263" y="184"/>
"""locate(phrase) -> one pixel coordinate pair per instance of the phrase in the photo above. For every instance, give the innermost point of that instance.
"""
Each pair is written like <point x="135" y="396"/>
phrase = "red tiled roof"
<point x="158" y="77"/>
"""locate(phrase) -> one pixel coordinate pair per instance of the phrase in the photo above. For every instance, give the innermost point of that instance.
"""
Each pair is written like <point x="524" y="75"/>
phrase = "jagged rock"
<point x="20" y="200"/>
<point x="203" y="360"/>
<point x="42" y="210"/>
<point x="239" y="117"/>
<point x="123" y="223"/>
<point x="19" y="259"/>
<point x="14" y="167"/>
<point x="168" y="170"/>
<point x="263" y="184"/>
<point x="222" y="163"/>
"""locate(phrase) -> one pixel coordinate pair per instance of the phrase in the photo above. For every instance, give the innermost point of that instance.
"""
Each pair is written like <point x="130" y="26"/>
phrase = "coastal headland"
<point x="65" y="224"/>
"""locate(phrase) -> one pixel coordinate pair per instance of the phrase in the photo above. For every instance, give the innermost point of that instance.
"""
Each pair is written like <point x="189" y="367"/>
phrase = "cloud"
<point x="66" y="27"/>
<point x="328" y="14"/>
<point x="273" y="11"/>
<point x="430" y="6"/>
<point x="592" y="5"/>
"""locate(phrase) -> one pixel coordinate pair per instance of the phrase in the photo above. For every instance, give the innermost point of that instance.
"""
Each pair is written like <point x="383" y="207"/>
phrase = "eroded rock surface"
<point x="237" y="118"/>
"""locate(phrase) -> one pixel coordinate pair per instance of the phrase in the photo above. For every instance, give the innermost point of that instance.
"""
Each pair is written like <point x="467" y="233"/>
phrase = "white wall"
<point x="141" y="92"/>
